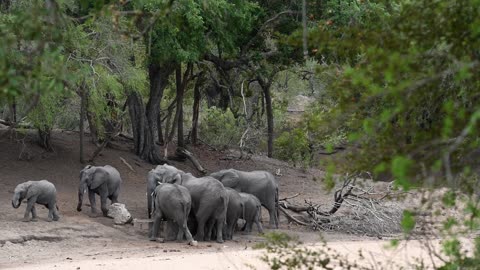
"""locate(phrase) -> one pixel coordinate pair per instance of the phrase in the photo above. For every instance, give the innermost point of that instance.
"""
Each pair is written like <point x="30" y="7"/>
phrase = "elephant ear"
<point x="177" y="179"/>
<point x="229" y="179"/>
<point x="98" y="177"/>
<point x="31" y="189"/>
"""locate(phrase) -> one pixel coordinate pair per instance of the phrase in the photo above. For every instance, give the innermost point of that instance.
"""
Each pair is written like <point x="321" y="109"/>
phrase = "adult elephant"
<point x="104" y="181"/>
<point x="36" y="192"/>
<point x="172" y="202"/>
<point x="262" y="184"/>
<point x="209" y="199"/>
<point x="153" y="178"/>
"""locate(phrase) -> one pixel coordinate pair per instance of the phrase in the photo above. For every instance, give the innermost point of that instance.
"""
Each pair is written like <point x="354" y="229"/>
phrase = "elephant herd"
<point x="207" y="207"/>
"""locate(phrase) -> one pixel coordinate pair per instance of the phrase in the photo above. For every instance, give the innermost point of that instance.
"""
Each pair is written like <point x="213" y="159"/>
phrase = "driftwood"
<point x="291" y="197"/>
<point x="126" y="163"/>
<point x="125" y="136"/>
<point x="292" y="218"/>
<point x="16" y="124"/>
<point x="184" y="153"/>
<point x="367" y="212"/>
<point x="202" y="141"/>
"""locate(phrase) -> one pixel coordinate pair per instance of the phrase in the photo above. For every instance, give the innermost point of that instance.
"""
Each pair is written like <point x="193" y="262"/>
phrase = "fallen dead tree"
<point x="365" y="210"/>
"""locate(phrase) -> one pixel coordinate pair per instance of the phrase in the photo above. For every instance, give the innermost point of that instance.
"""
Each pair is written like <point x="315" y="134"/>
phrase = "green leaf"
<point x="408" y="221"/>
<point x="400" y="169"/>
<point x="449" y="198"/>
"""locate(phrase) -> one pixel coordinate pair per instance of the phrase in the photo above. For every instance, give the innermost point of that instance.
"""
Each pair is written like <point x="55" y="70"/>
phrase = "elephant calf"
<point x="252" y="213"/>
<point x="235" y="210"/>
<point x="42" y="192"/>
<point x="104" y="181"/>
<point x="172" y="202"/>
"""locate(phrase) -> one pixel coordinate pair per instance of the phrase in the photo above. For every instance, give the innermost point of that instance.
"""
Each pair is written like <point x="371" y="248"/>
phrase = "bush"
<point x="220" y="128"/>
<point x="293" y="146"/>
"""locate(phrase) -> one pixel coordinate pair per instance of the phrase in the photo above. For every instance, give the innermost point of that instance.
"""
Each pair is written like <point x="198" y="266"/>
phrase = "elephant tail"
<point x="224" y="201"/>
<point x="153" y="199"/>
<point x="276" y="207"/>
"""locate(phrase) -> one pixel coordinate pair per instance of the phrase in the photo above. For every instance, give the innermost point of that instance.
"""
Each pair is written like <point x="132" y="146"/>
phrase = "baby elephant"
<point x="253" y="212"/>
<point x="41" y="192"/>
<point x="172" y="202"/>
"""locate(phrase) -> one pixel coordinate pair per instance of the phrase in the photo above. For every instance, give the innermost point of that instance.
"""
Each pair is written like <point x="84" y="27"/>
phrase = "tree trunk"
<point x="196" y="108"/>
<point x="268" y="104"/>
<point x="161" y="141"/>
<point x="82" y="119"/>
<point x="144" y="118"/>
<point x="180" y="92"/>
<point x="91" y="122"/>
<point x="45" y="141"/>
<point x="14" y="110"/>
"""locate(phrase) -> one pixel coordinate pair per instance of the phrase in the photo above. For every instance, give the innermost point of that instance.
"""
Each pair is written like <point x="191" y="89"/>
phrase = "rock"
<point x="119" y="213"/>
<point x="299" y="103"/>
<point x="193" y="243"/>
<point x="240" y="224"/>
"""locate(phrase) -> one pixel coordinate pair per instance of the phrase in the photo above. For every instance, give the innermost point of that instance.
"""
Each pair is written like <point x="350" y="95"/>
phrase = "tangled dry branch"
<point x="365" y="210"/>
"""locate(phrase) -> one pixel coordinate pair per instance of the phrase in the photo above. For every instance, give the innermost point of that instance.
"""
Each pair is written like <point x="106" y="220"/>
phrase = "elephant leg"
<point x="200" y="235"/>
<point x="114" y="197"/>
<point x="209" y="230"/>
<point x="180" y="232"/>
<point x="34" y="213"/>
<point x="156" y="225"/>
<point x="50" y="212"/>
<point x="30" y="205"/>
<point x="259" y="224"/>
<point x="93" y="205"/>
<point x="103" y="203"/>
<point x="273" y="216"/>
<point x="187" y="233"/>
<point x="249" y="226"/>
<point x="149" y="205"/>
<point x="220" y="223"/>
<point x="55" y="215"/>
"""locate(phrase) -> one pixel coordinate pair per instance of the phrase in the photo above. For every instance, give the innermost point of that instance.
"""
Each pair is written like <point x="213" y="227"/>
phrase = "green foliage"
<point x="408" y="221"/>
<point x="220" y="128"/>
<point x="285" y="252"/>
<point x="31" y="59"/>
<point x="44" y="116"/>
<point x="192" y="28"/>
<point x="407" y="84"/>
<point x="293" y="146"/>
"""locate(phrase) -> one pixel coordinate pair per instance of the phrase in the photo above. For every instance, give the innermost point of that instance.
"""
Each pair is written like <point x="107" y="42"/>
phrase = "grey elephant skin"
<point x="209" y="199"/>
<point x="153" y="179"/>
<point x="262" y="184"/>
<point x="104" y="181"/>
<point x="252" y="212"/>
<point x="235" y="210"/>
<point x="41" y="192"/>
<point x="172" y="202"/>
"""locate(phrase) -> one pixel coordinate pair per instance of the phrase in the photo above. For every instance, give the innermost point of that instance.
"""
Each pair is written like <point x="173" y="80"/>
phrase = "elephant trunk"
<point x="81" y="190"/>
<point x="149" y="202"/>
<point x="16" y="201"/>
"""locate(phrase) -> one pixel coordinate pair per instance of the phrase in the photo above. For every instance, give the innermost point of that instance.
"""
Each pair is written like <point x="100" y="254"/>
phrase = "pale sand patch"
<point x="375" y="252"/>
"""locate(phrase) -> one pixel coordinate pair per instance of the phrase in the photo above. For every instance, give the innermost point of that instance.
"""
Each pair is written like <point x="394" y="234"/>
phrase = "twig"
<point x="290" y="217"/>
<point x="126" y="163"/>
<point x="291" y="197"/>
<point x="202" y="141"/>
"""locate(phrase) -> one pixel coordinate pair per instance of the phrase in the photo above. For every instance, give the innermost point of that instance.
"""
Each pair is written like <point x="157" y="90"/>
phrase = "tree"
<point x="408" y="95"/>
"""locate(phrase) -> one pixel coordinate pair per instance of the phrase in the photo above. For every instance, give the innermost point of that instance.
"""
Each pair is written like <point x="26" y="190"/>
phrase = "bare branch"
<point x="265" y="25"/>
